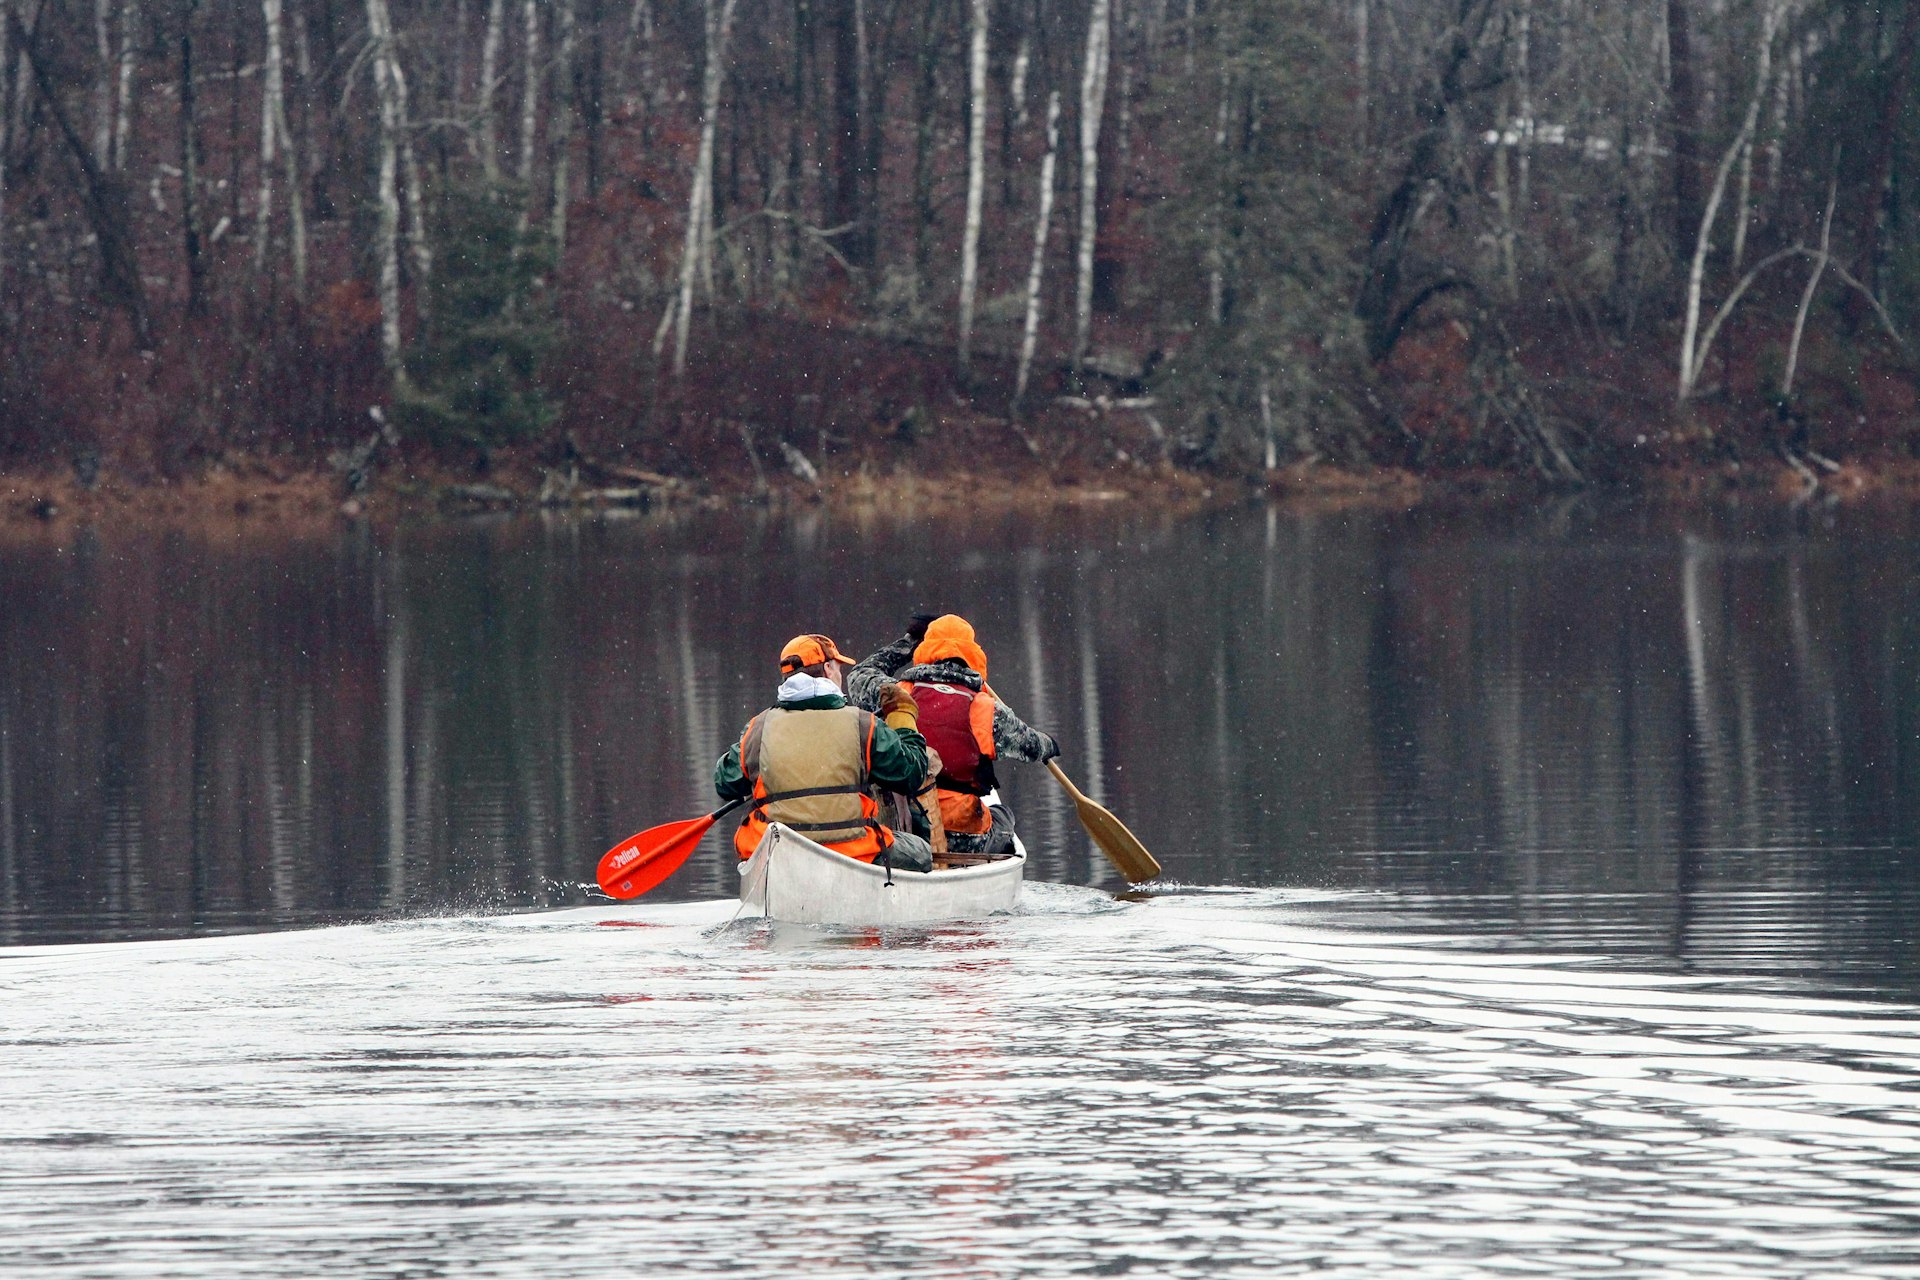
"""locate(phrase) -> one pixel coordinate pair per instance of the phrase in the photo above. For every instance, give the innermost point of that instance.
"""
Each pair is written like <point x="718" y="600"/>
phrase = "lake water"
<point x="1540" y="900"/>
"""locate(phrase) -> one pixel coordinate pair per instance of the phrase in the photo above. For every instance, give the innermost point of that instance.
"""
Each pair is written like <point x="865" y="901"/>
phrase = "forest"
<point x="716" y="241"/>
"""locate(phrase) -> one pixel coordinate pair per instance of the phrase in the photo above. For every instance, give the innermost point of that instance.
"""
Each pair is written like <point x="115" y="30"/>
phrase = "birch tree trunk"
<point x="1093" y="96"/>
<point x="1743" y="206"/>
<point x="271" y="109"/>
<point x="640" y="26"/>
<point x="277" y="121"/>
<point x="417" y="240"/>
<point x="296" y="200"/>
<point x="1017" y="87"/>
<point x="1217" y="232"/>
<point x="387" y="233"/>
<point x="719" y="26"/>
<point x="562" y="127"/>
<point x="529" y="106"/>
<point x="1524" y="48"/>
<point x="1037" y="270"/>
<point x="103" y="81"/>
<point x="123" y="102"/>
<point x="866" y="242"/>
<point x="1691" y="362"/>
<point x="1503" y="200"/>
<point x="1824" y="257"/>
<point x="1128" y="20"/>
<point x="976" y="181"/>
<point x="489" y="86"/>
<point x="1776" y="134"/>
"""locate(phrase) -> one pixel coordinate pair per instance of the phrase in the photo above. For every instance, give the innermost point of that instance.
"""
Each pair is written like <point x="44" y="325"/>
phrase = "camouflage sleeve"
<point x="876" y="670"/>
<point x="1015" y="739"/>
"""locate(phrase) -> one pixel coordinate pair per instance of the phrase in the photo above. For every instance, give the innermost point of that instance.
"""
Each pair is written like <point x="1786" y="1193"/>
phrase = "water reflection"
<point x="1680" y="735"/>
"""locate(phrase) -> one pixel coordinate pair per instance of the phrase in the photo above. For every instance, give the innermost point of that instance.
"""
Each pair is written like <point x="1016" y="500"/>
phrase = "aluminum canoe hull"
<point x="791" y="878"/>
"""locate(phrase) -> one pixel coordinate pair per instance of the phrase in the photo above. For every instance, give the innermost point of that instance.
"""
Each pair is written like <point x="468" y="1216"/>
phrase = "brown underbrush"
<point x="815" y="407"/>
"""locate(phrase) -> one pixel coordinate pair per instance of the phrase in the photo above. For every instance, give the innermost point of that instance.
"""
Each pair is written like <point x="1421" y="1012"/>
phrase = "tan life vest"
<point x="809" y="772"/>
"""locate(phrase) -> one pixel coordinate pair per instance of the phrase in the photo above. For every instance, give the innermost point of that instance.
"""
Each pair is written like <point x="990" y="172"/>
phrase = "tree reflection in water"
<point x="1629" y="730"/>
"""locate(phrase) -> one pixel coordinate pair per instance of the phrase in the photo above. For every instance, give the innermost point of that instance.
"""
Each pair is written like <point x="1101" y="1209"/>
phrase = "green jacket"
<point x="899" y="755"/>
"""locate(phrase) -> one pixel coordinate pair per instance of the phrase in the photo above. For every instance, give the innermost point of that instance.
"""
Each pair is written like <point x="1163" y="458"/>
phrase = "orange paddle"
<point x="640" y="862"/>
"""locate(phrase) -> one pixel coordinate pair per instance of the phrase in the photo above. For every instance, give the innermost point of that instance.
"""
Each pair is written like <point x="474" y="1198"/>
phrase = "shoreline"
<point x="260" y="495"/>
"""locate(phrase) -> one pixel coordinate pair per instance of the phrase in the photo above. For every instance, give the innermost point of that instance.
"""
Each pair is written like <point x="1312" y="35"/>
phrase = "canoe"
<point x="791" y="878"/>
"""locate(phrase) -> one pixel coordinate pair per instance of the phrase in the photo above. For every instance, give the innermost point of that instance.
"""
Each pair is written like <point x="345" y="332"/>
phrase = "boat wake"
<point x="1077" y="1088"/>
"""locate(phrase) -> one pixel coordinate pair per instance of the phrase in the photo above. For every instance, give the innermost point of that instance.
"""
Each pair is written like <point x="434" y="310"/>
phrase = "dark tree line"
<point x="225" y="219"/>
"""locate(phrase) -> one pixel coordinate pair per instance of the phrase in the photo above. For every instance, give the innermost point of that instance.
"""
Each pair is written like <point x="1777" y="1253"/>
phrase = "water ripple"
<point x="1201" y="1084"/>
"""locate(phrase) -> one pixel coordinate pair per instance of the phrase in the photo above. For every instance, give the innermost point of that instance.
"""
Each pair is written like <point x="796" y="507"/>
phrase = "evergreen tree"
<point x="1264" y="221"/>
<point x="473" y="375"/>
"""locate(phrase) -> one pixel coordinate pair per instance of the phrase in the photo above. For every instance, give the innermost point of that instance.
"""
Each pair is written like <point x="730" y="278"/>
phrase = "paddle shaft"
<point x="1123" y="849"/>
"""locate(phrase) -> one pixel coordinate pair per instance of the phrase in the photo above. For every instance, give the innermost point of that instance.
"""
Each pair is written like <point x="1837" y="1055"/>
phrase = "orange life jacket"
<point x="957" y="722"/>
<point x="809" y="772"/>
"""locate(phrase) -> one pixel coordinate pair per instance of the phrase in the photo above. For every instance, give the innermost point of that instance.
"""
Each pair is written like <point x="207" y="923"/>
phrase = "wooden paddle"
<point x="1123" y="849"/>
<point x="1121" y="846"/>
<point x="640" y="862"/>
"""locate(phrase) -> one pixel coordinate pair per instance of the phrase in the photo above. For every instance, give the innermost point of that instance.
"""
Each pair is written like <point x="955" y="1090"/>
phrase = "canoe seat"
<point x="947" y="861"/>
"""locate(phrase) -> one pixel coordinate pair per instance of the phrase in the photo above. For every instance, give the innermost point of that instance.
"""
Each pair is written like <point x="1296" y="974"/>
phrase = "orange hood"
<point x="952" y="637"/>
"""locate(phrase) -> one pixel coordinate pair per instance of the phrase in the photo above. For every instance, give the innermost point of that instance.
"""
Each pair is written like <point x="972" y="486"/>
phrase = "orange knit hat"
<point x="952" y="637"/>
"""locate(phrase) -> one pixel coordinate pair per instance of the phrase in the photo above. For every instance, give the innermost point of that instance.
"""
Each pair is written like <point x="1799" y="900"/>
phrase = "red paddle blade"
<point x="642" y="861"/>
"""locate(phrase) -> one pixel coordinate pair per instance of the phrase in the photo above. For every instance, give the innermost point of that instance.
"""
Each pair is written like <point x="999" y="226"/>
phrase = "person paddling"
<point x="807" y="762"/>
<point x="943" y="669"/>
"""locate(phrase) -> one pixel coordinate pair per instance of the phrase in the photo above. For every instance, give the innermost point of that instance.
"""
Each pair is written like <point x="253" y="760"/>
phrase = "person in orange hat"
<point x="809" y="760"/>
<point x="939" y="664"/>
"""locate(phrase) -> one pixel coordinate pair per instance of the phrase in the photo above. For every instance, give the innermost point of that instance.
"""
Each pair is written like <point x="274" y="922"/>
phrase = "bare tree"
<point x="1043" y="219"/>
<point x="1093" y="97"/>
<point x="1216" y="229"/>
<point x="1459" y="73"/>
<point x="529" y="106"/>
<point x="976" y="180"/>
<point x="387" y="234"/>
<point x="640" y="30"/>
<point x="699" y="241"/>
<point x="103" y="80"/>
<point x="489" y="115"/>
<point x="102" y="195"/>
<point x="562" y="139"/>
<point x="1692" y="361"/>
<point x="276" y="143"/>
<point x="123" y="102"/>
<point x="1821" y="260"/>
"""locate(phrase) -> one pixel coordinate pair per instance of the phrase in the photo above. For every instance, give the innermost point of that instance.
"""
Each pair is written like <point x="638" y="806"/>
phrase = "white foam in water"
<point x="1204" y="1084"/>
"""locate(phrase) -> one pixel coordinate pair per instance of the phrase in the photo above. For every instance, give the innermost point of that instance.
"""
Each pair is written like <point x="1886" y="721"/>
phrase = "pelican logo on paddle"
<point x="643" y="860"/>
